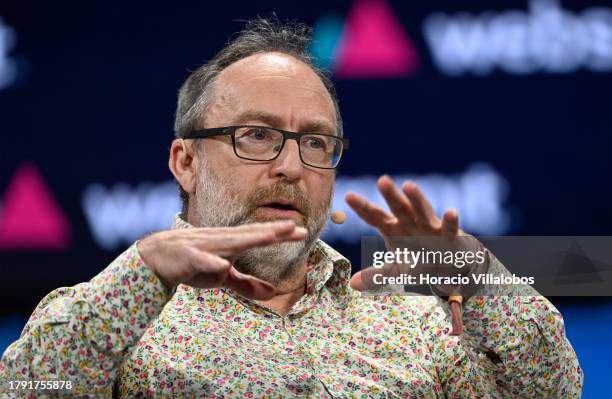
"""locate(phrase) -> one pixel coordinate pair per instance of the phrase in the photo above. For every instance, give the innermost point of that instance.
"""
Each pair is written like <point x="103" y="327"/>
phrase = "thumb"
<point x="356" y="282"/>
<point x="249" y="286"/>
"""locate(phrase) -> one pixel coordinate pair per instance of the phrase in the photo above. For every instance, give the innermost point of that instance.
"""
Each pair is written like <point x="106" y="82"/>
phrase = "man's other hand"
<point x="411" y="216"/>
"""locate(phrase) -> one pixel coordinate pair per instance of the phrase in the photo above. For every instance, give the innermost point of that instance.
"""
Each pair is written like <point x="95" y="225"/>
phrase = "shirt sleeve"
<point x="514" y="345"/>
<point x="82" y="333"/>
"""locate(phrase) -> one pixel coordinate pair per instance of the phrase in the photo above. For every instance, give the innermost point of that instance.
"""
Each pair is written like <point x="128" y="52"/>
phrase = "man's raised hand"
<point x="411" y="216"/>
<point x="202" y="257"/>
<point x="411" y="213"/>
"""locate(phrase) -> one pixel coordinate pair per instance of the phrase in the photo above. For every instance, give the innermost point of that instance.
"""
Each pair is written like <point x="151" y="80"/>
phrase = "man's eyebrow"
<point x="318" y="127"/>
<point x="258" y="116"/>
<point x="313" y="126"/>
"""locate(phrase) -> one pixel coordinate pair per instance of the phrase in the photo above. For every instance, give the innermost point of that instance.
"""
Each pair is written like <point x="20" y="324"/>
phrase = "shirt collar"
<point x="326" y="266"/>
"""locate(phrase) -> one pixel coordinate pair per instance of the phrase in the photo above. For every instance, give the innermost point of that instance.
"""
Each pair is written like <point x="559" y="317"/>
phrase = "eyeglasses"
<point x="261" y="143"/>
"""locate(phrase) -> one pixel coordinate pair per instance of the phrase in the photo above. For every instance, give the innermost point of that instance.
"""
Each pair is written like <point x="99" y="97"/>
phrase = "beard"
<point x="217" y="205"/>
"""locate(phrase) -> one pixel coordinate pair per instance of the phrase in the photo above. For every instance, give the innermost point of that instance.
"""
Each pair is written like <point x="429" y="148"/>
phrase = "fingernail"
<point x="301" y="230"/>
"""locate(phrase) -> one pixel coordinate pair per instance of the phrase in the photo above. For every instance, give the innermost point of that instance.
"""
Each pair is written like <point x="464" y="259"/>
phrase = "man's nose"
<point x="288" y="163"/>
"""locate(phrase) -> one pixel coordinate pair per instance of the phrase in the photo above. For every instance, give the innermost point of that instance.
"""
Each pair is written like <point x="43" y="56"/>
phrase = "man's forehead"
<point x="267" y="63"/>
<point x="258" y="86"/>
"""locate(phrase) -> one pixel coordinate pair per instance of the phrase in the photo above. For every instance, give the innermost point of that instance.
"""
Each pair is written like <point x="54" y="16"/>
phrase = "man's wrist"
<point x="150" y="265"/>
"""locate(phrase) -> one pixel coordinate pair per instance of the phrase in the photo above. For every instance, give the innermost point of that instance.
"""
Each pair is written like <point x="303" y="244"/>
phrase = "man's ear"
<point x="181" y="164"/>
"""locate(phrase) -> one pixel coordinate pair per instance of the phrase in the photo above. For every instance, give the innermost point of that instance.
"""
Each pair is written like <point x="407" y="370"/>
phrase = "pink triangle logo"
<point x="374" y="44"/>
<point x="30" y="218"/>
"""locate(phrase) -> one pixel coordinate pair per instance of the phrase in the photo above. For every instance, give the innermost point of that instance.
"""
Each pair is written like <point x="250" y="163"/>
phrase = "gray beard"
<point x="217" y="206"/>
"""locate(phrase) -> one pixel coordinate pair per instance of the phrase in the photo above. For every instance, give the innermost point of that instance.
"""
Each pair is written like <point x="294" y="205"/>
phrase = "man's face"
<point x="275" y="90"/>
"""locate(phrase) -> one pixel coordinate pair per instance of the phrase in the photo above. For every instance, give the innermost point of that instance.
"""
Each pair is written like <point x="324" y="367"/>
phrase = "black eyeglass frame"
<point x="287" y="135"/>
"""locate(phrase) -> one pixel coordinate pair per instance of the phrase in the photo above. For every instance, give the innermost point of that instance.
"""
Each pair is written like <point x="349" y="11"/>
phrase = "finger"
<point x="356" y="282"/>
<point x="297" y="234"/>
<point x="279" y="226"/>
<point x="397" y="201"/>
<point x="228" y="245"/>
<point x="422" y="208"/>
<point x="364" y="280"/>
<point x="209" y="270"/>
<point x="450" y="223"/>
<point x="249" y="286"/>
<point x="370" y="213"/>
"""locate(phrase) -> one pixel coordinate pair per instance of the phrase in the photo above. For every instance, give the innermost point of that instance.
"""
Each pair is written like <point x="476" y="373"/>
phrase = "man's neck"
<point x="289" y="291"/>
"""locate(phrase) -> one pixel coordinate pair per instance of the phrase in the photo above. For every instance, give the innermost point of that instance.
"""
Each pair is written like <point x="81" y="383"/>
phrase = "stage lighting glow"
<point x="122" y="214"/>
<point x="8" y="67"/>
<point x="545" y="39"/>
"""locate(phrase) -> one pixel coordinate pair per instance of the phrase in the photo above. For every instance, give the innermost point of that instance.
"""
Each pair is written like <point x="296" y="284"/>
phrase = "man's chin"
<point x="272" y="263"/>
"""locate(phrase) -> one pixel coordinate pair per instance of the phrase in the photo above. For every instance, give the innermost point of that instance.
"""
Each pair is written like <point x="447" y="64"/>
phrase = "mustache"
<point x="266" y="194"/>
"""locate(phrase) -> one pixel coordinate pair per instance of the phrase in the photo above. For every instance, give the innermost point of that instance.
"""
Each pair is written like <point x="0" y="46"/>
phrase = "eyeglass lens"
<point x="262" y="144"/>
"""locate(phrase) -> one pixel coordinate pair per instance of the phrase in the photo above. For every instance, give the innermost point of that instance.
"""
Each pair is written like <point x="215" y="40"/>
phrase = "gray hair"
<point x="260" y="35"/>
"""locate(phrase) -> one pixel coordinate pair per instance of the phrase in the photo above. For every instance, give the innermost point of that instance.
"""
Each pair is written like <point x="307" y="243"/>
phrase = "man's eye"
<point x="257" y="134"/>
<point x="315" y="143"/>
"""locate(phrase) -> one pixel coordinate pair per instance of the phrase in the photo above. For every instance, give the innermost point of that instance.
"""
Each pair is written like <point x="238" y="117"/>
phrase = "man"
<point x="241" y="298"/>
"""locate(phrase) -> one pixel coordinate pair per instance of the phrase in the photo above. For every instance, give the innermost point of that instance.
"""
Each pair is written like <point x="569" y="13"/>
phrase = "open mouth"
<point x="281" y="209"/>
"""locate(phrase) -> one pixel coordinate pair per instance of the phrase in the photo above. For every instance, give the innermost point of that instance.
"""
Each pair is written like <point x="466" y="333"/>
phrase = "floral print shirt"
<point x="123" y="334"/>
